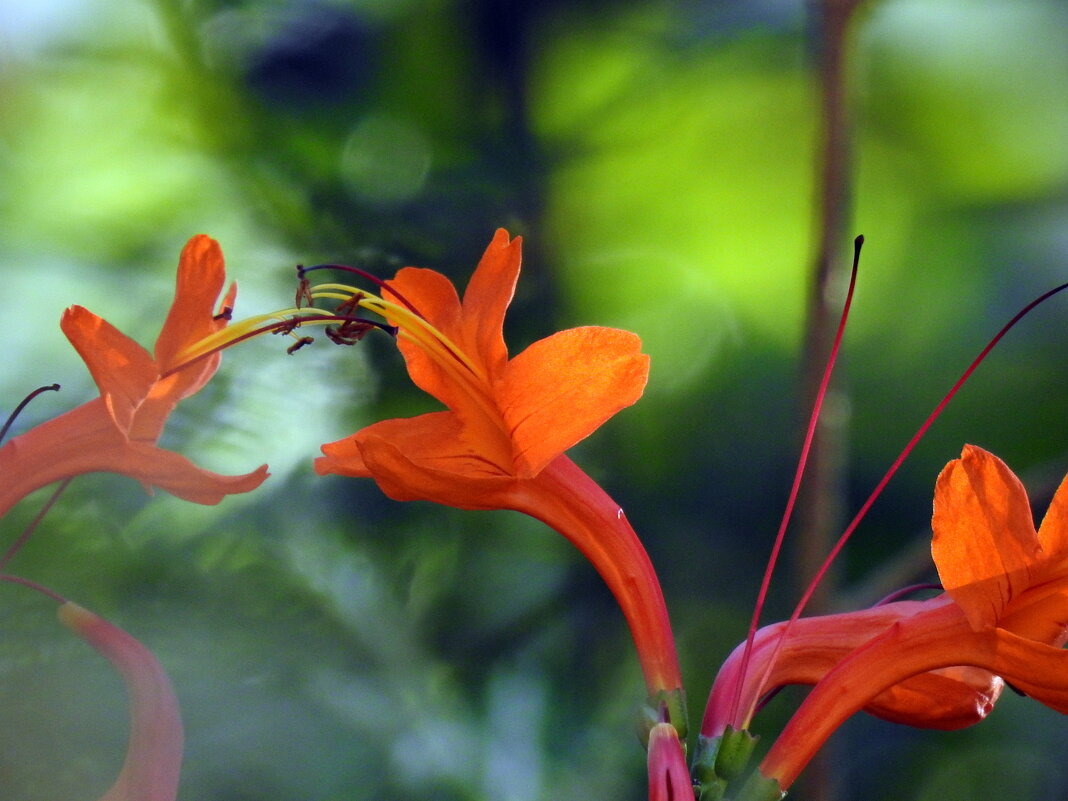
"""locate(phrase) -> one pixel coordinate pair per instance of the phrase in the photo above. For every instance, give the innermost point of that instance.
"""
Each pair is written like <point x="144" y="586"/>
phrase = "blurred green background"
<point x="659" y="160"/>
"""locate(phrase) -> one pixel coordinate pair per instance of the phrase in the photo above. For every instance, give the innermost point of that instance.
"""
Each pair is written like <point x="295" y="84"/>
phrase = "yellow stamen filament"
<point x="235" y="331"/>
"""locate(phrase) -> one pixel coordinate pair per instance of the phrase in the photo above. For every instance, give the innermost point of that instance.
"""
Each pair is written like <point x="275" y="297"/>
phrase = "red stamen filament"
<point x="810" y="433"/>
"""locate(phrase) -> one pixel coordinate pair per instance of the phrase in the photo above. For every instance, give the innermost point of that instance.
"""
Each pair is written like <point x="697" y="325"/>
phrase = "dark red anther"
<point x="303" y="291"/>
<point x="300" y="343"/>
<point x="287" y="326"/>
<point x="349" y="332"/>
<point x="226" y="314"/>
<point x="351" y="305"/>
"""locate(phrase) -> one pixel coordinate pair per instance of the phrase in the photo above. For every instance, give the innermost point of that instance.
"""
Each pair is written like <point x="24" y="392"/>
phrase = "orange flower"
<point x="1005" y="610"/>
<point x="117" y="432"/>
<point x="500" y="445"/>
<point x="507" y="418"/>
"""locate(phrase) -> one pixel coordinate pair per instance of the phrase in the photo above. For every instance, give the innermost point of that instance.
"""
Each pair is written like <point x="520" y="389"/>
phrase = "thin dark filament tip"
<point x="912" y="444"/>
<point x="25" y="401"/>
<point x="810" y="433"/>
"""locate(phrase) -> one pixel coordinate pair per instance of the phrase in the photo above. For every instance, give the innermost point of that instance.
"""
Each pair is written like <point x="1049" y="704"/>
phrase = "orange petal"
<point x="947" y="698"/>
<point x="437" y="441"/>
<point x="342" y="458"/>
<point x="76" y="442"/>
<point x="154" y="754"/>
<point x="418" y="459"/>
<point x="1040" y="613"/>
<point x="435" y="297"/>
<point x="560" y="389"/>
<point x="85" y="440"/>
<point x="487" y="298"/>
<point x="1035" y="669"/>
<point x="123" y="370"/>
<point x="179" y="476"/>
<point x="192" y="317"/>
<point x="984" y="539"/>
<point x="200" y="278"/>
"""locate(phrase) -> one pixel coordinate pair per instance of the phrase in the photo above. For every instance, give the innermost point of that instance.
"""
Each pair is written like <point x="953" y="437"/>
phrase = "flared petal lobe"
<point x="434" y="298"/>
<point x="564" y="387"/>
<point x="418" y="459"/>
<point x="984" y="541"/>
<point x="1053" y="533"/>
<point x="193" y="315"/>
<point x="989" y="556"/>
<point x="154" y="754"/>
<point x="122" y="370"/>
<point x="487" y="297"/>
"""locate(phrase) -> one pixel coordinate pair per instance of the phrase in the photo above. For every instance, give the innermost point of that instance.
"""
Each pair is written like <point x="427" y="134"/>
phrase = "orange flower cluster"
<point x="500" y="443"/>
<point x="117" y="432"/>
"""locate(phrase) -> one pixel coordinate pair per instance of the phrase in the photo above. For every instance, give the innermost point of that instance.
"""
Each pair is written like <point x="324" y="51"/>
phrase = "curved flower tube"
<point x="118" y="431"/>
<point x="154" y="754"/>
<point x="947" y="699"/>
<point x="500" y="445"/>
<point x="1005" y="609"/>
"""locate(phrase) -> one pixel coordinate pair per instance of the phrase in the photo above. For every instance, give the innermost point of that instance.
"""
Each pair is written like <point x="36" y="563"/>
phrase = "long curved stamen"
<point x="810" y="433"/>
<point x="825" y="566"/>
<point x="25" y="402"/>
